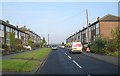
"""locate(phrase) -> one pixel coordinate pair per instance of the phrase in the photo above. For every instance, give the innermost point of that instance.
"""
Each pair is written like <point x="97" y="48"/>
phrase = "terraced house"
<point x="102" y="27"/>
<point x="33" y="36"/>
<point x="6" y="28"/>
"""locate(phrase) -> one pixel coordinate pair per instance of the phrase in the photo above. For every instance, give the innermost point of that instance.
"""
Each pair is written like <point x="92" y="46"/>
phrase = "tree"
<point x="18" y="44"/>
<point x="30" y="42"/>
<point x="12" y="39"/>
<point x="43" y="42"/>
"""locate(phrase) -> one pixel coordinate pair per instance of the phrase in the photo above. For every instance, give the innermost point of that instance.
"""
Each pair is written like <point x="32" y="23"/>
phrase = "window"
<point x="97" y="25"/>
<point x="97" y="29"/>
<point x="1" y="27"/>
<point x="92" y="28"/>
<point x="7" y="29"/>
<point x="16" y="36"/>
<point x="1" y="31"/>
<point x="0" y="40"/>
<point x="78" y="37"/>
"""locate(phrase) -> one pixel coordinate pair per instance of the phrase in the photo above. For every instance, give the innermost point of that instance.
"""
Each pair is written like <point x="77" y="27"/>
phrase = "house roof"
<point x="10" y="25"/>
<point x="110" y="17"/>
<point x="25" y="29"/>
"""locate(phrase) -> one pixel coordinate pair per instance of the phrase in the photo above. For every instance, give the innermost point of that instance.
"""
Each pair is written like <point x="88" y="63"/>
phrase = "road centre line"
<point x="69" y="57"/>
<point x="77" y="64"/>
<point x="73" y="60"/>
<point x="65" y="54"/>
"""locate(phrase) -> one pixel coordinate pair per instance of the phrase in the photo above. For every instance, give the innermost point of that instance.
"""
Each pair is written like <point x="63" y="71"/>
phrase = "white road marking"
<point x="88" y="74"/>
<point x="77" y="64"/>
<point x="65" y="54"/>
<point x="69" y="57"/>
<point x="73" y="60"/>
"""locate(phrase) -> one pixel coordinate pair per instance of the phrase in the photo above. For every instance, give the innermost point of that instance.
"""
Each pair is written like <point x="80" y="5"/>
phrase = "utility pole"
<point x="48" y="39"/>
<point x="87" y="26"/>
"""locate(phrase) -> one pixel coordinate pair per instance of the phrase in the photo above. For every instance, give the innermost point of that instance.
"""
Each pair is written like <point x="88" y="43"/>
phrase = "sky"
<point x="58" y="19"/>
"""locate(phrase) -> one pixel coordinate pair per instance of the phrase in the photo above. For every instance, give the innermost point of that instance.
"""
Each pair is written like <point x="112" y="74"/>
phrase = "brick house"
<point x="100" y="28"/>
<point x="103" y="26"/>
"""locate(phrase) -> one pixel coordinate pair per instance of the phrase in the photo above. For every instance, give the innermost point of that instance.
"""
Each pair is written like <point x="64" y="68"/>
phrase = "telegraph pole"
<point x="87" y="26"/>
<point x="48" y="39"/>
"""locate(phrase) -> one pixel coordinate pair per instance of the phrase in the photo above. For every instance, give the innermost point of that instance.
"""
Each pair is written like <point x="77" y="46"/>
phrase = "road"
<point x="62" y="62"/>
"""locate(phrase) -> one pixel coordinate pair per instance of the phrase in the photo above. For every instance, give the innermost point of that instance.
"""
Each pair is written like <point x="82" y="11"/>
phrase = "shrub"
<point x="98" y="45"/>
<point x="113" y="45"/>
<point x="6" y="49"/>
<point x="18" y="45"/>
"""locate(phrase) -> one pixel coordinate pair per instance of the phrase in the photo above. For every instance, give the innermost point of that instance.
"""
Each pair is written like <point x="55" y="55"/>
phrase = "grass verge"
<point x="25" y="62"/>
<point x="13" y="65"/>
<point x="35" y="55"/>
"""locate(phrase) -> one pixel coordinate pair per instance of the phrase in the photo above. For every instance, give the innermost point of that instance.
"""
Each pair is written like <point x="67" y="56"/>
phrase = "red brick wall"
<point x="106" y="27"/>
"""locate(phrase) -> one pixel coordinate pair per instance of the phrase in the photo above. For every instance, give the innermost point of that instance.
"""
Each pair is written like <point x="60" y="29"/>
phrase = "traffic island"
<point x="27" y="63"/>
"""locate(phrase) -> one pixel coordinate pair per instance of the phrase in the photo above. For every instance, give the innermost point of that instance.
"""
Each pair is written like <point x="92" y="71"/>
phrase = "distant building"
<point x="33" y="36"/>
<point x="100" y="28"/>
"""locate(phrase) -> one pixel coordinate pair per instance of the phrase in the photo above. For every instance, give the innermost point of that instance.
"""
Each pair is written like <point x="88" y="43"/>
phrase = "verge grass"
<point x="35" y="55"/>
<point x="25" y="62"/>
<point x="13" y="65"/>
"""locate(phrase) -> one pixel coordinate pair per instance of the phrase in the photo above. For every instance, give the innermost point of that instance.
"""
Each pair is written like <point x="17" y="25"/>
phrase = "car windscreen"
<point x="54" y="46"/>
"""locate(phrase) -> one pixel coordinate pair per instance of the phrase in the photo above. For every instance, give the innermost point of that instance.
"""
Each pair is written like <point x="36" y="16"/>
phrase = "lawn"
<point x="35" y="55"/>
<point x="21" y="63"/>
<point x="0" y="64"/>
<point x="13" y="65"/>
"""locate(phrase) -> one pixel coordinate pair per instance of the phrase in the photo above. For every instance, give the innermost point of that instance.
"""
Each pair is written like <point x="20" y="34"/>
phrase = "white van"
<point x="76" y="47"/>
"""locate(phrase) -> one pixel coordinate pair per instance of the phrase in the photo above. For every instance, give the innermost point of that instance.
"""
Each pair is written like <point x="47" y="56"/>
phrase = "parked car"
<point x="76" y="47"/>
<point x="28" y="47"/>
<point x="54" y="47"/>
<point x="62" y="46"/>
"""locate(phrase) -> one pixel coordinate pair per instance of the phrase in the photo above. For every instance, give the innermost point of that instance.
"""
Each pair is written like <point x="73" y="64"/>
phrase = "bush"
<point x="18" y="45"/>
<point x="6" y="49"/>
<point x="113" y="45"/>
<point x="98" y="46"/>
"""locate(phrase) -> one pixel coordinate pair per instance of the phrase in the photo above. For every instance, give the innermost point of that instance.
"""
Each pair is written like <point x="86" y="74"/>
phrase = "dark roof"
<point x="25" y="29"/>
<point x="110" y="17"/>
<point x="10" y="25"/>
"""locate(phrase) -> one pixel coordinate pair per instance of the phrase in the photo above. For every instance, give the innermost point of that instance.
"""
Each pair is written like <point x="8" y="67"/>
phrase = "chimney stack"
<point x="7" y="21"/>
<point x="98" y="18"/>
<point x="17" y="26"/>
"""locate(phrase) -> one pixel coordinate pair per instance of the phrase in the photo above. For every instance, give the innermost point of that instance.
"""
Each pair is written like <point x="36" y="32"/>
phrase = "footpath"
<point x="109" y="59"/>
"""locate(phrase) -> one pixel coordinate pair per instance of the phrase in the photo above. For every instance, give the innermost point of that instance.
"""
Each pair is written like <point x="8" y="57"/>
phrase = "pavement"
<point x="109" y="59"/>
